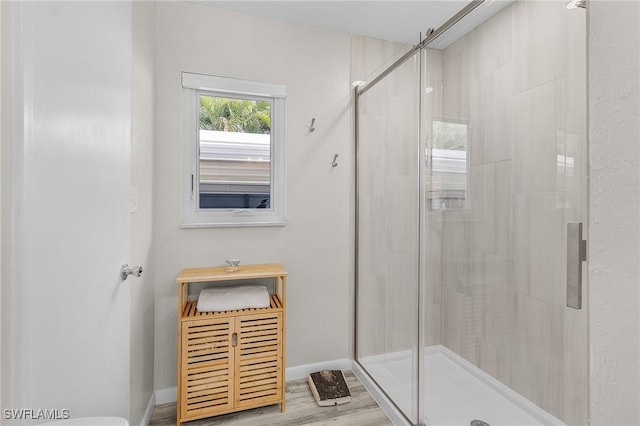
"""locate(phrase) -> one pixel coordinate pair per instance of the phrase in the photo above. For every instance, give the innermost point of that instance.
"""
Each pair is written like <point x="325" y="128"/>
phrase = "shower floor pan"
<point x="457" y="392"/>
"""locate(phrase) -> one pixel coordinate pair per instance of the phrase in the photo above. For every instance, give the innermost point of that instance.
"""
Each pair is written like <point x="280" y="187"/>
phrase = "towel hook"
<point x="334" y="164"/>
<point x="311" y="128"/>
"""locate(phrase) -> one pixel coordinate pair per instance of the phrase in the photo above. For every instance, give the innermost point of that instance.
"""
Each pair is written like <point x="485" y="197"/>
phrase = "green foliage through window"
<point x="448" y="135"/>
<point x="235" y="115"/>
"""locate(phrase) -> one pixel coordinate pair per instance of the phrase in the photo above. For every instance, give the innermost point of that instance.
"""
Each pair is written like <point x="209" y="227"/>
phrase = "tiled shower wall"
<point x="519" y="82"/>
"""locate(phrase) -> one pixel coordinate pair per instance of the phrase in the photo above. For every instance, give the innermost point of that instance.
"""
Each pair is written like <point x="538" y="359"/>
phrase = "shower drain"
<point x="479" y="423"/>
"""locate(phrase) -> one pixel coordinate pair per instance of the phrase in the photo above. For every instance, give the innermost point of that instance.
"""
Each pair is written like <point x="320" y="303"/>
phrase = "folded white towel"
<point x="232" y="298"/>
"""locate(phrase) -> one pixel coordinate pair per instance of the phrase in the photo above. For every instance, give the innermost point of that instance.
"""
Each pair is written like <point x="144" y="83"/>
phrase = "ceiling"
<point x="400" y="21"/>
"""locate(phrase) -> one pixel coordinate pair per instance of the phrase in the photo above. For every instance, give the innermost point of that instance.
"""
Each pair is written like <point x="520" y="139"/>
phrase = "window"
<point x="447" y="166"/>
<point x="232" y="152"/>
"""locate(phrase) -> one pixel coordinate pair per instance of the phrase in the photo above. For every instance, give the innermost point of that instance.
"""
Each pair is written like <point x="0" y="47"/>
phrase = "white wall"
<point x="614" y="253"/>
<point x="314" y="245"/>
<point x="142" y="140"/>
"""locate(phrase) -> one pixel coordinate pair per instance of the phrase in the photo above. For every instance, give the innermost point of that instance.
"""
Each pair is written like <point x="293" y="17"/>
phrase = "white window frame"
<point x="194" y="85"/>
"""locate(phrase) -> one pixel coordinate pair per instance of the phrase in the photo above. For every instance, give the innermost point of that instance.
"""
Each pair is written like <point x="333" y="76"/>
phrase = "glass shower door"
<point x="505" y="126"/>
<point x="388" y="234"/>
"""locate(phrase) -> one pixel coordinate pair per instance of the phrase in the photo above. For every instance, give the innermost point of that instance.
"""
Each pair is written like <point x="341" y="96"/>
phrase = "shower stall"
<point x="471" y="185"/>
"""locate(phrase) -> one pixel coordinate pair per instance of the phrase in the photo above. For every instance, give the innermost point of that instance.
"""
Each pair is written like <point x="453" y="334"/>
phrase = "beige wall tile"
<point x="503" y="262"/>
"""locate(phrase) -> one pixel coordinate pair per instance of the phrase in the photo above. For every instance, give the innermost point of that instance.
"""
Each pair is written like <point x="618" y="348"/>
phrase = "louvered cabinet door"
<point x="258" y="359"/>
<point x="207" y="367"/>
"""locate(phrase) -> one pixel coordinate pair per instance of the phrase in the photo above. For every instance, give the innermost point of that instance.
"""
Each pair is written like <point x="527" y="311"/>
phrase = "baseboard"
<point x="165" y="396"/>
<point x="302" y="371"/>
<point x="147" y="413"/>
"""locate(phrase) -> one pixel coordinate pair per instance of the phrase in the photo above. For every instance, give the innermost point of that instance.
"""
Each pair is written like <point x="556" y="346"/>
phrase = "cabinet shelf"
<point x="190" y="312"/>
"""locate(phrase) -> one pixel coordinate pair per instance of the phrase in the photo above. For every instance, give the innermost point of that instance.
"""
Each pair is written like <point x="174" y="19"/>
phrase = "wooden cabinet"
<point x="231" y="360"/>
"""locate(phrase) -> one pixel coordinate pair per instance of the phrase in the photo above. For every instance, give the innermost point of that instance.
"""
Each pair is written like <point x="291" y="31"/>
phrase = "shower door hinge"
<point x="576" y="254"/>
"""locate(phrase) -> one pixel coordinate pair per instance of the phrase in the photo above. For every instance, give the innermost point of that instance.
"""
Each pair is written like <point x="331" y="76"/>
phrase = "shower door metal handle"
<point x="576" y="254"/>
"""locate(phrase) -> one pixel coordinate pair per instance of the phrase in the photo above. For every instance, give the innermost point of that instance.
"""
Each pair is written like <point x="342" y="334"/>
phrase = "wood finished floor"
<point x="301" y="409"/>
